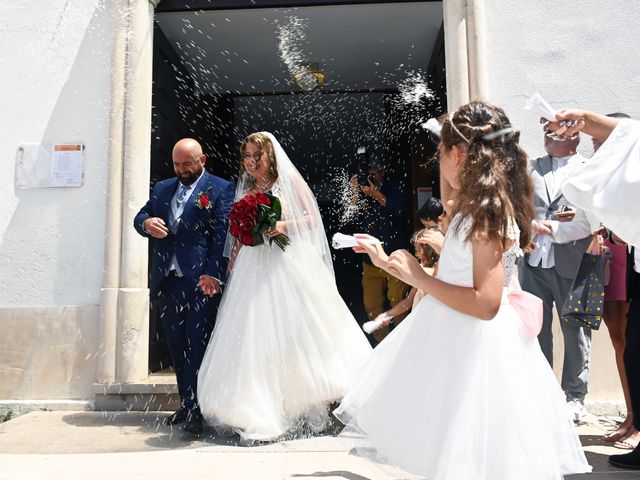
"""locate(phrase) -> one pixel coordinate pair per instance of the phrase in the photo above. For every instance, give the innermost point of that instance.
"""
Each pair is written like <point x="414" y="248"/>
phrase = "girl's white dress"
<point x="449" y="396"/>
<point x="284" y="347"/>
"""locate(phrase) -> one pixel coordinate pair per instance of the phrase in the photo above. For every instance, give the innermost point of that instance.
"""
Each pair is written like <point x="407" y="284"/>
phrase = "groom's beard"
<point x="188" y="179"/>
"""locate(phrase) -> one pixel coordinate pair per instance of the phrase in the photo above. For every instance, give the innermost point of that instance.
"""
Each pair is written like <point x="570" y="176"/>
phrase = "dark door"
<point x="180" y="111"/>
<point x="170" y="82"/>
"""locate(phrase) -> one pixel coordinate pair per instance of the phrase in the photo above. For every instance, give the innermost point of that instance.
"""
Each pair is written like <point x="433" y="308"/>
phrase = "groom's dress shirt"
<point x="543" y="254"/>
<point x="176" y="212"/>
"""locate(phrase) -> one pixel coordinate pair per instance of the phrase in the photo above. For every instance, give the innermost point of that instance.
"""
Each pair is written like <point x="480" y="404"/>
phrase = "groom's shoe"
<point x="194" y="423"/>
<point x="179" y="416"/>
<point x="628" y="460"/>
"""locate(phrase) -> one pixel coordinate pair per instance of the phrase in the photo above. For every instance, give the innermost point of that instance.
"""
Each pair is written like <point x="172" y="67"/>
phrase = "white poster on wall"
<point x="50" y="165"/>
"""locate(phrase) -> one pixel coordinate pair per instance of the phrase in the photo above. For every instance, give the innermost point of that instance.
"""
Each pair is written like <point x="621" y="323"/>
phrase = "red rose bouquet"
<point x="252" y="216"/>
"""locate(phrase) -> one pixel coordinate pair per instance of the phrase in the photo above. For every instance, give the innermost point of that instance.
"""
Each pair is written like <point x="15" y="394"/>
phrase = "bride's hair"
<point x="494" y="180"/>
<point x="264" y="145"/>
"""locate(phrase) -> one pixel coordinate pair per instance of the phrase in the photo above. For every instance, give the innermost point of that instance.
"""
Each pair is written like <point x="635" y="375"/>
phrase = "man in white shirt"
<point x="548" y="272"/>
<point x="608" y="186"/>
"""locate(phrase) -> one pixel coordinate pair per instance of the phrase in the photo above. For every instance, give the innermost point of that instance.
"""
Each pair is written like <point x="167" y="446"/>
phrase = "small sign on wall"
<point x="50" y="165"/>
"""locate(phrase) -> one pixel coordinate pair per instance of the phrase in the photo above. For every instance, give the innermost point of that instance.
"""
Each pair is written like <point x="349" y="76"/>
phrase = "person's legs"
<point x="199" y="319"/>
<point x="577" y="347"/>
<point x="615" y="318"/>
<point x="374" y="285"/>
<point x="575" y="367"/>
<point x="632" y="365"/>
<point x="535" y="280"/>
<point x="396" y="292"/>
<point x="173" y="328"/>
<point x="632" y="360"/>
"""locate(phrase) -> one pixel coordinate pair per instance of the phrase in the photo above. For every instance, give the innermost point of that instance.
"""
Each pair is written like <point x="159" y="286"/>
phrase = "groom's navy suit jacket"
<point x="198" y="241"/>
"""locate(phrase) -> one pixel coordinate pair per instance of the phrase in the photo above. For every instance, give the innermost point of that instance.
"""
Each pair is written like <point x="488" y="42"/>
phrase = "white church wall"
<point x="56" y="72"/>
<point x="575" y="54"/>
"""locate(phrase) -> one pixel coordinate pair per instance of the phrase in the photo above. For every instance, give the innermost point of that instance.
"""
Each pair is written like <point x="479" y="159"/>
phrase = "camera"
<point x="364" y="167"/>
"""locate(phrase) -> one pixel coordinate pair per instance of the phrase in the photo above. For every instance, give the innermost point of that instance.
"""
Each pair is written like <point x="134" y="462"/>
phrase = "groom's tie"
<point x="182" y="193"/>
<point x="180" y="199"/>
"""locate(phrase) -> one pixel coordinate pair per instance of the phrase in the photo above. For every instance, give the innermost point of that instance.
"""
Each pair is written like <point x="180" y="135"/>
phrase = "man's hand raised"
<point x="155" y="227"/>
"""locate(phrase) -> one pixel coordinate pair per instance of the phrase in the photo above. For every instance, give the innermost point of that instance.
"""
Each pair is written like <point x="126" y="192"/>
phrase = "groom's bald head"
<point x="188" y="160"/>
<point x="187" y="146"/>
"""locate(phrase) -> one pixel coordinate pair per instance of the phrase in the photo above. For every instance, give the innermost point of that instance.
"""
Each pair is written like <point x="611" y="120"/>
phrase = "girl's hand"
<point x="405" y="267"/>
<point x="433" y="238"/>
<point x="372" y="247"/>
<point x="542" y="227"/>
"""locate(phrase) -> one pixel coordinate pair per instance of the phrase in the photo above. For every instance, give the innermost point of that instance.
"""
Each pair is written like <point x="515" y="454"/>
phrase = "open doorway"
<point x="372" y="72"/>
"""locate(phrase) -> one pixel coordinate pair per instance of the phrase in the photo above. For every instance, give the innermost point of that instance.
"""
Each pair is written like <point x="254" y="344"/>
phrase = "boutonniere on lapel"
<point x="203" y="201"/>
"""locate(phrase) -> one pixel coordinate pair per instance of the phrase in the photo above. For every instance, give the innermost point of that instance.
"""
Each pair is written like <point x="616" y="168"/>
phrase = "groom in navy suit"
<point x="186" y="219"/>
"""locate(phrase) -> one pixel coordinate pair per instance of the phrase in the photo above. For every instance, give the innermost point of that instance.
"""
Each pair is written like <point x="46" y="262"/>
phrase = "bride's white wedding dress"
<point x="285" y="344"/>
<point x="449" y="396"/>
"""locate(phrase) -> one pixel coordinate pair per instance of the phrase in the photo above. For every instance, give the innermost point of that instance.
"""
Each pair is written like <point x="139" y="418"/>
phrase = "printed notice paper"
<point x="67" y="165"/>
<point x="47" y="165"/>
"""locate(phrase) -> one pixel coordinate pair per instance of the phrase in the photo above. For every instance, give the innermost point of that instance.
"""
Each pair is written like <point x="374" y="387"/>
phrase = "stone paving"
<point x="123" y="445"/>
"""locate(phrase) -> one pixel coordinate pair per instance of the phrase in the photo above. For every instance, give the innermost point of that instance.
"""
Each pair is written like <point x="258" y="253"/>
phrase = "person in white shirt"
<point x="561" y="237"/>
<point x="608" y="185"/>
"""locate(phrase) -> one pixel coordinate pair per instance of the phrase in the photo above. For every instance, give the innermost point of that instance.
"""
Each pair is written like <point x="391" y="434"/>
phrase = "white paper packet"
<point x="340" y="240"/>
<point x="376" y="323"/>
<point x="541" y="107"/>
<point x="433" y="126"/>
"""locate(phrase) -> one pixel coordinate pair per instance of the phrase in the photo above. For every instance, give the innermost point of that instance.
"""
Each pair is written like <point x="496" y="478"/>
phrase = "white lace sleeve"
<point x="510" y="256"/>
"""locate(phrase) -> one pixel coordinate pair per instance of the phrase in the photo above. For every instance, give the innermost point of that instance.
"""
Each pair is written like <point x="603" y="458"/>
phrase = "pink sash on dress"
<point x="529" y="307"/>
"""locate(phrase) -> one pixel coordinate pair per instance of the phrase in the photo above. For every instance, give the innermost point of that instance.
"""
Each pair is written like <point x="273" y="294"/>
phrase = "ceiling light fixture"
<point x="309" y="77"/>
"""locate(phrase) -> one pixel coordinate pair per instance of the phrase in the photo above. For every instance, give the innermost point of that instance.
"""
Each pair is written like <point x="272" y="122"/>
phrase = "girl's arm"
<point x="482" y="300"/>
<point x="594" y="124"/>
<point x="403" y="305"/>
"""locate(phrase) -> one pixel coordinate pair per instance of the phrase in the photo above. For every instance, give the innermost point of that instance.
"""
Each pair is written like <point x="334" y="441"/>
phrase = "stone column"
<point x="455" y="41"/>
<point x="124" y="316"/>
<point x="132" y="335"/>
<point x="113" y="225"/>
<point x="478" y="85"/>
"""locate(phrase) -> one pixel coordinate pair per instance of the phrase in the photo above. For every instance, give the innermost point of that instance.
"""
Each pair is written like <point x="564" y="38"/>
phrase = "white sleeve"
<point x="608" y="184"/>
<point x="576" y="229"/>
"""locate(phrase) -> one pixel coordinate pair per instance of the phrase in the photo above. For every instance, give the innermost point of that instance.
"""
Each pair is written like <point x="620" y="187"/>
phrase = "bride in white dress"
<point x="285" y="346"/>
<point x="459" y="390"/>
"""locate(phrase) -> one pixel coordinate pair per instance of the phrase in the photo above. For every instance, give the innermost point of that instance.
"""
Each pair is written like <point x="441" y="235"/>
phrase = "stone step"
<point x="158" y="392"/>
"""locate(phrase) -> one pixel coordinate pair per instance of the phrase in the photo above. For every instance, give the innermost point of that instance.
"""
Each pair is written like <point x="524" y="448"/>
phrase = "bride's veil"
<point x="299" y="207"/>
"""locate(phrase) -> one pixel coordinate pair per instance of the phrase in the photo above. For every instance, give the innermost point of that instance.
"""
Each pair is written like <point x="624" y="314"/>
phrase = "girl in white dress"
<point x="459" y="390"/>
<point x="285" y="345"/>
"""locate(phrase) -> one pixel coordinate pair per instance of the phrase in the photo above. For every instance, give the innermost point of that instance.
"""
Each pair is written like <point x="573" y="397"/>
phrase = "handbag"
<point x="607" y="265"/>
<point x="584" y="305"/>
<point x="530" y="309"/>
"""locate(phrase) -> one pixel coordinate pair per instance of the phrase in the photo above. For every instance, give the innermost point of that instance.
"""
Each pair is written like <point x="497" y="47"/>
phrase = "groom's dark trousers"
<point x="188" y="318"/>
